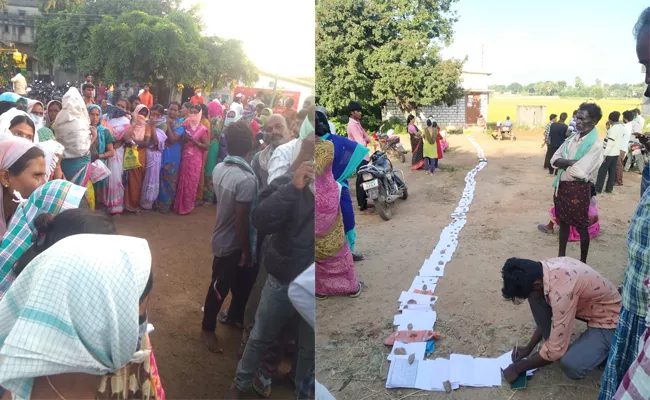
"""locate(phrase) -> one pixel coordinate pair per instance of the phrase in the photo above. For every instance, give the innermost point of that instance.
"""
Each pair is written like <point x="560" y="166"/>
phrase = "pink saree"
<point x="190" y="173"/>
<point x="334" y="265"/>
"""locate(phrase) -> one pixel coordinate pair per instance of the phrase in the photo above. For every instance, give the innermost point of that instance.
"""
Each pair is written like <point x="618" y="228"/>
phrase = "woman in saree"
<point x="417" y="160"/>
<point x="250" y="116"/>
<point x="171" y="159"/>
<point x="216" y="125"/>
<point x="108" y="357"/>
<point x="102" y="149"/>
<point x="117" y="118"/>
<point x="348" y="155"/>
<point x="142" y="134"/>
<point x="574" y="236"/>
<point x="19" y="124"/>
<point x="335" y="273"/>
<point x="205" y="121"/>
<point x="151" y="183"/>
<point x="37" y="111"/>
<point x="22" y="170"/>
<point x="195" y="143"/>
<point x="52" y="109"/>
<point x="53" y="197"/>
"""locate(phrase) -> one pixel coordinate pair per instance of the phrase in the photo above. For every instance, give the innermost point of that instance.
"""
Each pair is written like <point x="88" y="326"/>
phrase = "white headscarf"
<point x="230" y="120"/>
<point x="5" y="122"/>
<point x="38" y="120"/>
<point x="11" y="149"/>
<point x="74" y="309"/>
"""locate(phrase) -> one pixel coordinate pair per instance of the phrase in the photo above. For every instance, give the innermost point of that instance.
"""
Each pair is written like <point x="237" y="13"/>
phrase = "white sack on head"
<point x="72" y="125"/>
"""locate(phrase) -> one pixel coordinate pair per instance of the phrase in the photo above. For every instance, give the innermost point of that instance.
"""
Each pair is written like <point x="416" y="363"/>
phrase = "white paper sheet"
<point x="422" y="299"/>
<point x="419" y="284"/>
<point x="419" y="307"/>
<point x="486" y="372"/>
<point x="420" y="320"/>
<point x="506" y="359"/>
<point x="402" y="374"/>
<point x="461" y="369"/>
<point x="417" y="348"/>
<point x="432" y="374"/>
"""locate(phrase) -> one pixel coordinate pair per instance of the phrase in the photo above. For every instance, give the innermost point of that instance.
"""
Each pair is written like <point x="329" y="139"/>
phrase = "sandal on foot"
<point x="543" y="229"/>
<point x="223" y="318"/>
<point x="262" y="389"/>
<point x="357" y="257"/>
<point x="358" y="292"/>
<point x="321" y="296"/>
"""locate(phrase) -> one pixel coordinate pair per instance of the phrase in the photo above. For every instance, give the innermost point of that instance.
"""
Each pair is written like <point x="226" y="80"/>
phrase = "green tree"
<point x="597" y="92"/>
<point x="598" y="82"/>
<point x="144" y="47"/>
<point x="515" y="87"/>
<point x="374" y="50"/>
<point x="579" y="84"/>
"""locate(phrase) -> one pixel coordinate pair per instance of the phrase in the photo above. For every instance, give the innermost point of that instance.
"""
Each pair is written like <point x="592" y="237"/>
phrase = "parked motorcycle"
<point x="382" y="185"/>
<point x="390" y="144"/>
<point x="636" y="156"/>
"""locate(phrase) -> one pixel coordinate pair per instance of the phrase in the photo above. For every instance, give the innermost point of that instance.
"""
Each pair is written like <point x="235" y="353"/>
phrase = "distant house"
<point x="466" y="110"/>
<point x="17" y="27"/>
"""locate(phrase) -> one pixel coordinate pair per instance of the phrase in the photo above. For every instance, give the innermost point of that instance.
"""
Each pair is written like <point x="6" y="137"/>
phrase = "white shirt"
<point x="332" y="128"/>
<point x="237" y="107"/>
<point x="625" y="142"/>
<point x="615" y="136"/>
<point x="637" y="124"/>
<point x="20" y="84"/>
<point x="281" y="160"/>
<point x="585" y="168"/>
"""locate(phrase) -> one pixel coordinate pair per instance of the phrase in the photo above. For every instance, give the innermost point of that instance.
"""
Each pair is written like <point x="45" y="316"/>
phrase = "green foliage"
<point x="560" y="88"/>
<point x="396" y="124"/>
<point x="141" y="40"/>
<point x="373" y="50"/>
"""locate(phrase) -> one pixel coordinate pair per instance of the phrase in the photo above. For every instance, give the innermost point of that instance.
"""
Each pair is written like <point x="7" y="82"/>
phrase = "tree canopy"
<point x="374" y="50"/>
<point x="560" y="88"/>
<point x="142" y="40"/>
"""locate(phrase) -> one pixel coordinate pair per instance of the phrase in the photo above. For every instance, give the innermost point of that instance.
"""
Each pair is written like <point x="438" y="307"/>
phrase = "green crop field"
<point x="502" y="106"/>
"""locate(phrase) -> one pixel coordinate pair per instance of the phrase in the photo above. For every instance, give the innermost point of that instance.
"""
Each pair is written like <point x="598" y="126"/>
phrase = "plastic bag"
<point x="99" y="171"/>
<point x="131" y="159"/>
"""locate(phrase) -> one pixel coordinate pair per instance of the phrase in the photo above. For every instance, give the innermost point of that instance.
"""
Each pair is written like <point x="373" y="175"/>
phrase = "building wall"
<point x="267" y="82"/>
<point x="444" y="115"/>
<point x="17" y="22"/>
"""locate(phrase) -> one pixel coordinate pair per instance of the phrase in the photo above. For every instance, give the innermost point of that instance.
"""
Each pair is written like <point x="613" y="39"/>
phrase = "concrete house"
<point x="466" y="110"/>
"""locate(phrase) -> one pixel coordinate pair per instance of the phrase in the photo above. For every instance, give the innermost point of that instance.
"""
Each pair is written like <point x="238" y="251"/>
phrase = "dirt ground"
<point x="513" y="194"/>
<point x="182" y="262"/>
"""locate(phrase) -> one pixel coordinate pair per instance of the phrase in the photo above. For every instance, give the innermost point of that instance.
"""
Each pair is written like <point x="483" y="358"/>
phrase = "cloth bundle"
<point x="72" y="125"/>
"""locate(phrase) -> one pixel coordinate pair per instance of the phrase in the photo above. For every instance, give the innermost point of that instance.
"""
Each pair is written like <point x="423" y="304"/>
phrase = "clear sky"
<point x="530" y="41"/>
<point x="278" y="35"/>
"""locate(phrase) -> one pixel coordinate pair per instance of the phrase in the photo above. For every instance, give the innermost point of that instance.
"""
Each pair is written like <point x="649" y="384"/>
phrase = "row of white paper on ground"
<point x="416" y="306"/>
<point x="459" y="370"/>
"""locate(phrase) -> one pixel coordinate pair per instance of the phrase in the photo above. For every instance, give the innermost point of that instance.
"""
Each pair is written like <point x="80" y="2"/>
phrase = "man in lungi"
<point x="578" y="160"/>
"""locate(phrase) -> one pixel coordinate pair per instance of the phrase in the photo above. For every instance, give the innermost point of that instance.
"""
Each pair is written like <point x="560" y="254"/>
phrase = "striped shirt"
<point x="635" y="297"/>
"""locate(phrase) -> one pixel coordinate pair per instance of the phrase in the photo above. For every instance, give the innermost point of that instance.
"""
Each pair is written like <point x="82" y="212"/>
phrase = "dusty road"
<point x="182" y="261"/>
<point x="513" y="194"/>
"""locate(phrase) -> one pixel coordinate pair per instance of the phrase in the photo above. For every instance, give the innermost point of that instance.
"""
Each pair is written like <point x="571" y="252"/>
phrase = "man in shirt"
<point x="579" y="159"/>
<point x="612" y="152"/>
<point x="19" y="83"/>
<point x="235" y="188"/>
<point x="88" y="89"/>
<point x="628" y="116"/>
<point x="559" y="291"/>
<point x="286" y="215"/>
<point x="197" y="98"/>
<point x="358" y="134"/>
<point x="237" y="104"/>
<point x="507" y="123"/>
<point x="629" y="331"/>
<point x="556" y="136"/>
<point x="289" y="112"/>
<point x="572" y="124"/>
<point x="146" y="97"/>
<point x="638" y="123"/>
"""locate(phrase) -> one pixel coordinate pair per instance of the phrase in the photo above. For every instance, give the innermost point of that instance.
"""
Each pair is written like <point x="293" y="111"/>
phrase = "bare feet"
<point x="210" y="339"/>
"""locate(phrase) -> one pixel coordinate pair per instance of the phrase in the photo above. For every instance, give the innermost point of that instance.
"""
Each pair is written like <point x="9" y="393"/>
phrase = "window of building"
<point x="21" y="13"/>
<point x="21" y="30"/>
<point x="6" y="28"/>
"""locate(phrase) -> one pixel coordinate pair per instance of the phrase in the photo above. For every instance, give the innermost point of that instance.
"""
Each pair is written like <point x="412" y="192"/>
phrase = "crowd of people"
<point x="562" y="290"/>
<point x="68" y="166"/>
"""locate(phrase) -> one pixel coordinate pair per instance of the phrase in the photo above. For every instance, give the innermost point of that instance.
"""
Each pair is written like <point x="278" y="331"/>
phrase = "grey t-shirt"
<point x="232" y="185"/>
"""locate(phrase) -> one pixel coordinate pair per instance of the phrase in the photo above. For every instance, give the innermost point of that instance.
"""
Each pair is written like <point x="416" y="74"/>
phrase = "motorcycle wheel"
<point x="383" y="208"/>
<point x="405" y="194"/>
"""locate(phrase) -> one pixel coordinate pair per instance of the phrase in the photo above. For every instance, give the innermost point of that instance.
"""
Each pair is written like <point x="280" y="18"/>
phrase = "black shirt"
<point x="558" y="133"/>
